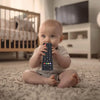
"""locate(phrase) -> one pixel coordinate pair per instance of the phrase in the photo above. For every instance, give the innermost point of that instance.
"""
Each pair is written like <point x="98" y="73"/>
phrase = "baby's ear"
<point x="61" y="38"/>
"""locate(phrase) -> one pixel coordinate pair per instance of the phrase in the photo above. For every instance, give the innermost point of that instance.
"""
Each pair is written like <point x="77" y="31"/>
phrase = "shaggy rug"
<point x="13" y="88"/>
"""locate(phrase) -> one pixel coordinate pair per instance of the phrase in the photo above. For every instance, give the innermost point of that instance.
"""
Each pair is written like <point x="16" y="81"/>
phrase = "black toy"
<point x="47" y="63"/>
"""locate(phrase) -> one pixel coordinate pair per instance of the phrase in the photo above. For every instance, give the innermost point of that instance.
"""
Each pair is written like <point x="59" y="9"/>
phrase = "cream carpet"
<point x="13" y="88"/>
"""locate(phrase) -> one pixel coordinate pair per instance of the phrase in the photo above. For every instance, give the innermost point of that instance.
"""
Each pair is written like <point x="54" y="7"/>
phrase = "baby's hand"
<point x="54" y="51"/>
<point x="51" y="80"/>
<point x="41" y="49"/>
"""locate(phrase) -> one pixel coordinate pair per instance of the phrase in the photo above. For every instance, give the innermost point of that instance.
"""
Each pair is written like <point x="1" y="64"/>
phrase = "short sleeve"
<point x="63" y="51"/>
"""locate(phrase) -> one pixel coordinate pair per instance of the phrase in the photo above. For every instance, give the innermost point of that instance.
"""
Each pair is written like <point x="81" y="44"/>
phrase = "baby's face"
<point x="49" y="35"/>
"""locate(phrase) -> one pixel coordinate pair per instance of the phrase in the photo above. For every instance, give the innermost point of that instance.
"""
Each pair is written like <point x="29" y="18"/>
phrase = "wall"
<point x="94" y="8"/>
<point x="58" y="3"/>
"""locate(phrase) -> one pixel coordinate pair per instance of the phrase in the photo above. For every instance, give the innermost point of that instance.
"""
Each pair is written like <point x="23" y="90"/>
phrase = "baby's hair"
<point x="55" y="23"/>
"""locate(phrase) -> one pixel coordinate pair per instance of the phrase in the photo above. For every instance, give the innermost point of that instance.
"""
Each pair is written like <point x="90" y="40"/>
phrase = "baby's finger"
<point x="55" y="83"/>
<point x="44" y="50"/>
<point x="42" y="53"/>
<point x="52" y="52"/>
<point x="53" y="49"/>
<point x="44" y="47"/>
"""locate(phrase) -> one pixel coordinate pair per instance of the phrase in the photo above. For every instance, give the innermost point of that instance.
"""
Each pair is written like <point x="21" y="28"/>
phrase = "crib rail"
<point x="18" y="30"/>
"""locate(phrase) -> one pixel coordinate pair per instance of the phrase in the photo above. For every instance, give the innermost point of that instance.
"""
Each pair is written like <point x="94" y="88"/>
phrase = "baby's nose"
<point x="47" y="40"/>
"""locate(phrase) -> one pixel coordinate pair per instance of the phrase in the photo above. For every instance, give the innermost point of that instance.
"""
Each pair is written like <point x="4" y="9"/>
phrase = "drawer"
<point x="75" y="46"/>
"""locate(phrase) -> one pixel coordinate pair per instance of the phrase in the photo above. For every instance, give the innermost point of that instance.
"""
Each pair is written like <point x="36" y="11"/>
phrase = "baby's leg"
<point x="68" y="78"/>
<point x="34" y="78"/>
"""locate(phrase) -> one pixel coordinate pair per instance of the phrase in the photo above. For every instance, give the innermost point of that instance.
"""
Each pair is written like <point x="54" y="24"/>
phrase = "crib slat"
<point x="5" y="29"/>
<point x="34" y="35"/>
<point x="0" y="19"/>
<point x="23" y="39"/>
<point x="9" y="31"/>
<point x="5" y="43"/>
<point x="19" y="33"/>
<point x="23" y="43"/>
<point x="27" y="44"/>
<point x="9" y="44"/>
<point x="14" y="44"/>
<point x="0" y="43"/>
<point x="0" y="28"/>
<point x="18" y="43"/>
<point x="14" y="35"/>
<point x="31" y="43"/>
<point x="38" y="24"/>
<point x="27" y="34"/>
<point x="31" y="35"/>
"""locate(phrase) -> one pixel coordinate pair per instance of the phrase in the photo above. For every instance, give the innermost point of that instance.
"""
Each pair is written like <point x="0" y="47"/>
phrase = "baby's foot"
<point x="72" y="81"/>
<point x="74" y="76"/>
<point x="51" y="80"/>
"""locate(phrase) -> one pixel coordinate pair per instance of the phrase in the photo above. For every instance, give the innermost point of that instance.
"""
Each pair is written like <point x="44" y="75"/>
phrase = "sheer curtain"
<point x="45" y="8"/>
<point x="39" y="6"/>
<point x="5" y="2"/>
<point x="19" y="4"/>
<point x="22" y="4"/>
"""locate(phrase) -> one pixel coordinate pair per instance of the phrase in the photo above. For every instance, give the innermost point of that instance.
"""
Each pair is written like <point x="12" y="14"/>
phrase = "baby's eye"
<point x="52" y="36"/>
<point x="43" y="36"/>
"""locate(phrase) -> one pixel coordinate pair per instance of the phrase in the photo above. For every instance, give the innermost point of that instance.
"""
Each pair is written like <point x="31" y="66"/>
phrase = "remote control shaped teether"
<point x="47" y="63"/>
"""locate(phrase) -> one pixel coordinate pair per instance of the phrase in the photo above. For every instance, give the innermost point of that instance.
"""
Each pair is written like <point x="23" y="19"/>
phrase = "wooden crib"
<point x="18" y="30"/>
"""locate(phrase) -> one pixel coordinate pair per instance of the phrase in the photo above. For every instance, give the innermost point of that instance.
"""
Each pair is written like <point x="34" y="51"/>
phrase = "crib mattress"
<point x="11" y="34"/>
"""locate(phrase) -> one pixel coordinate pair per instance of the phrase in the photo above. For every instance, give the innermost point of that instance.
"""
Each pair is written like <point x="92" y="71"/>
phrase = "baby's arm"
<point x="35" y="60"/>
<point x="63" y="61"/>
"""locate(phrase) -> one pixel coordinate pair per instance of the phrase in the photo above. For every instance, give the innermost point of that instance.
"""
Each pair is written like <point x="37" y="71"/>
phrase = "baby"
<point x="51" y="32"/>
